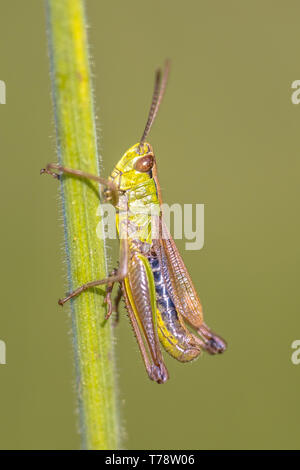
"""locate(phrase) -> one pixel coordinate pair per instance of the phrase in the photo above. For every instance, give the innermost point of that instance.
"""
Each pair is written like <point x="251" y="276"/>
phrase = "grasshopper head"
<point x="135" y="167"/>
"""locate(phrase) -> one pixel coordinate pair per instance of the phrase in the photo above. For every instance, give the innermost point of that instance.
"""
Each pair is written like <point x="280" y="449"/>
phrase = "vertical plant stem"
<point x="76" y="143"/>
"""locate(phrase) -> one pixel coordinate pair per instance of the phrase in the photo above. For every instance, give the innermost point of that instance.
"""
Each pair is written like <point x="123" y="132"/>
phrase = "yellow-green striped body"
<point x="138" y="208"/>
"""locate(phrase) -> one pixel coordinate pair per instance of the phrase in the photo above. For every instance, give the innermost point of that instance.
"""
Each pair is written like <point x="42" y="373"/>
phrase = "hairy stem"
<point x="77" y="148"/>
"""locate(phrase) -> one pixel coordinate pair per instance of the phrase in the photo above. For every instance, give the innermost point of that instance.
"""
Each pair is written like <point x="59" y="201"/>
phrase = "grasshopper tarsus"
<point x="213" y="344"/>
<point x="46" y="171"/>
<point x="159" y="373"/>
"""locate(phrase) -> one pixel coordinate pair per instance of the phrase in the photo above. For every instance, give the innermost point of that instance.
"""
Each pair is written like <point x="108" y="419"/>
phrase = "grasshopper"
<point x="159" y="295"/>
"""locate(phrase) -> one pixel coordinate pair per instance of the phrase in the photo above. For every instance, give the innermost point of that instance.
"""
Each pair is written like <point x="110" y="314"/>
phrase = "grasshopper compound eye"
<point x="144" y="164"/>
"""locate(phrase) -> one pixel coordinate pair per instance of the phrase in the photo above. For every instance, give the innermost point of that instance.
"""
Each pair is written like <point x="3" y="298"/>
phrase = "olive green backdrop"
<point x="227" y="135"/>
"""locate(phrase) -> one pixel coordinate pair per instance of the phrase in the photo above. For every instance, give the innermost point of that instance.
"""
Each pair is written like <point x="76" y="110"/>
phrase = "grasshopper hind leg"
<point x="213" y="344"/>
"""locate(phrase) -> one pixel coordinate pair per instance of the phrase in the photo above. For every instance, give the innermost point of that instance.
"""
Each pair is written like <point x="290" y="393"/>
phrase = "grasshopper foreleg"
<point x="117" y="275"/>
<point x="78" y="173"/>
<point x="111" y="193"/>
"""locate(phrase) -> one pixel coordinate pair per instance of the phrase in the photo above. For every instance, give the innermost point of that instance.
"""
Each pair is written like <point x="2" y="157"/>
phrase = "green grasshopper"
<point x="159" y="294"/>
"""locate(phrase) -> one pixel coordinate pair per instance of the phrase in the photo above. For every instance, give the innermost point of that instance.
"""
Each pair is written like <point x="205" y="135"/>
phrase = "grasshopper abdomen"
<point x="173" y="334"/>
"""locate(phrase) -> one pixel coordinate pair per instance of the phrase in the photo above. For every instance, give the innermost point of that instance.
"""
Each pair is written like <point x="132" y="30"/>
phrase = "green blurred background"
<point x="227" y="136"/>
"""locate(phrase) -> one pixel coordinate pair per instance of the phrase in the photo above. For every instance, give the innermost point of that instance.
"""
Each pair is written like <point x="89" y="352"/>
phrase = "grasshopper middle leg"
<point x="117" y="276"/>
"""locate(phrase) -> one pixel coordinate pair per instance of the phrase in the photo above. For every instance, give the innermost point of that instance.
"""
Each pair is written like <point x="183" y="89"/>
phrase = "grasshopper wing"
<point x="183" y="292"/>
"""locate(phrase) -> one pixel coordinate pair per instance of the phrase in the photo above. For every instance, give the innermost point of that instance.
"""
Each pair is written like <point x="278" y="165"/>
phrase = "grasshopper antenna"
<point x="158" y="94"/>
